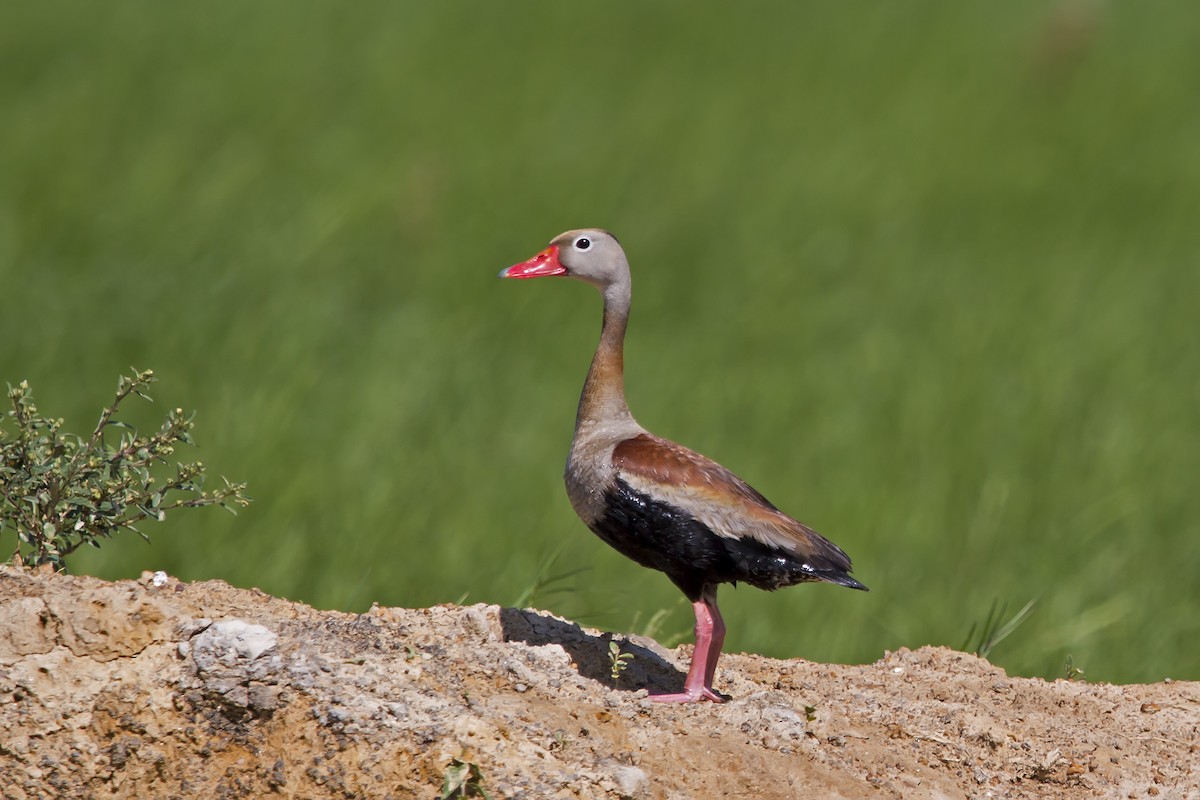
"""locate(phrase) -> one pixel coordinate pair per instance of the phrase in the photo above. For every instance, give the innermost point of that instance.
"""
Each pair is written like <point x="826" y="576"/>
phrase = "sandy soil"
<point x="133" y="689"/>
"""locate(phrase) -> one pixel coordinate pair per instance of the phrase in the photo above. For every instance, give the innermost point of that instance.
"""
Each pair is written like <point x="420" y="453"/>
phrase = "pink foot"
<point x="688" y="697"/>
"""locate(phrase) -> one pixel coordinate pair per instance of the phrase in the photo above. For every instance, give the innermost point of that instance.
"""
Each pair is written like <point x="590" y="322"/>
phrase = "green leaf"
<point x="454" y="778"/>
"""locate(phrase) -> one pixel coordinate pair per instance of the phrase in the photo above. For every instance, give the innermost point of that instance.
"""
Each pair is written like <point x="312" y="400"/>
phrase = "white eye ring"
<point x="582" y="243"/>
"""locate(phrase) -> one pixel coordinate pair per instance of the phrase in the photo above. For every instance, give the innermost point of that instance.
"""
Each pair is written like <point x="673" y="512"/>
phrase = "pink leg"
<point x="710" y="635"/>
<point x="718" y="639"/>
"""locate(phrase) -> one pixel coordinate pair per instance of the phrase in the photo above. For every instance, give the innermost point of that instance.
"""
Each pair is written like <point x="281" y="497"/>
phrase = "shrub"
<point x="59" y="491"/>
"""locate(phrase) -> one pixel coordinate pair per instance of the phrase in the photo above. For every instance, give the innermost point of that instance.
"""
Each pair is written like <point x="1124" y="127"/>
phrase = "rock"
<point x="631" y="782"/>
<point x="228" y="642"/>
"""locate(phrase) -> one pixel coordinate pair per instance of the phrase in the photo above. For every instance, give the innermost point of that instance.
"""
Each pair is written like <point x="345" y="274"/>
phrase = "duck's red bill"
<point x="543" y="264"/>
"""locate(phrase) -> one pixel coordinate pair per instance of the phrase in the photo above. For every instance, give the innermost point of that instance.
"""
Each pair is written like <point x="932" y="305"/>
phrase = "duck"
<point x="658" y="503"/>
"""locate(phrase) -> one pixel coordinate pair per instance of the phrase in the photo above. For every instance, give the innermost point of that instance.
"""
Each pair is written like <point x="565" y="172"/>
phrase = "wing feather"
<point x="722" y="501"/>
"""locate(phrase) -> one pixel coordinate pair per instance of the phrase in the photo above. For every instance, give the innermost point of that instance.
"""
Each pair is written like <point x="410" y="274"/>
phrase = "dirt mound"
<point x="158" y="688"/>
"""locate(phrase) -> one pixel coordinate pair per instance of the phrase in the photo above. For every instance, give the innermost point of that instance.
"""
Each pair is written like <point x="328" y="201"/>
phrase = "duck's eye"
<point x="583" y="243"/>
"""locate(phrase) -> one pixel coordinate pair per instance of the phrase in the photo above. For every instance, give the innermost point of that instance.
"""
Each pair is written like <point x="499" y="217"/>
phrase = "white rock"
<point x="631" y="781"/>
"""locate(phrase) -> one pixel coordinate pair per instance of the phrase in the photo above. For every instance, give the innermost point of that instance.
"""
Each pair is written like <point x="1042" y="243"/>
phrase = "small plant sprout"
<point x="463" y="779"/>
<point x="1070" y="671"/>
<point x="618" y="661"/>
<point x="59" y="491"/>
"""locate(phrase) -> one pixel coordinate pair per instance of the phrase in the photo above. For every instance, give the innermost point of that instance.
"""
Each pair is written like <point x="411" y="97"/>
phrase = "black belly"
<point x="663" y="537"/>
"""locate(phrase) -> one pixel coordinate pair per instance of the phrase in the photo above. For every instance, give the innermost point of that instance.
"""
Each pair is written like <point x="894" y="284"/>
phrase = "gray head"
<point x="590" y="254"/>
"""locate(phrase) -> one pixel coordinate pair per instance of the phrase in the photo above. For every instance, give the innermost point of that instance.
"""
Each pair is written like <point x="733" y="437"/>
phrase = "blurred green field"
<point x="927" y="276"/>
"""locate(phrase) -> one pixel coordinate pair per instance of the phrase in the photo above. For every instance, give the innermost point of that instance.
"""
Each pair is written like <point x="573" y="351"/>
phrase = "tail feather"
<point x="828" y="562"/>
<point x="840" y="578"/>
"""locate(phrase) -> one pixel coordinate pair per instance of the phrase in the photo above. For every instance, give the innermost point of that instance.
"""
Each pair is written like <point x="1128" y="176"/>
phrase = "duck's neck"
<point x="603" y="398"/>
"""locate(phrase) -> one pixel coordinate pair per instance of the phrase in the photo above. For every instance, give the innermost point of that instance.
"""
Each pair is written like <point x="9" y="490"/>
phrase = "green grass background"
<point x="926" y="274"/>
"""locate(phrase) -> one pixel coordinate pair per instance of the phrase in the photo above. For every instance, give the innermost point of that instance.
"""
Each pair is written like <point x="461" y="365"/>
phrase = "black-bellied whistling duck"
<point x="659" y="503"/>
